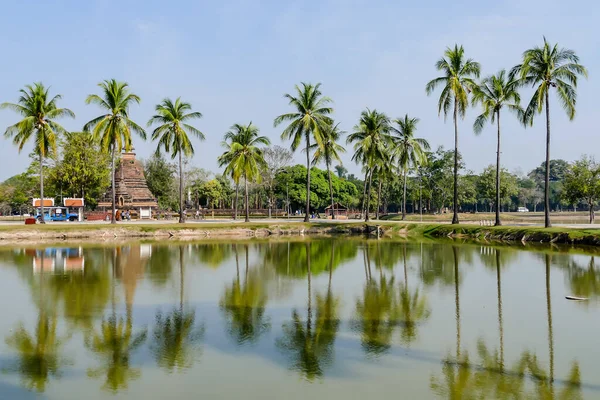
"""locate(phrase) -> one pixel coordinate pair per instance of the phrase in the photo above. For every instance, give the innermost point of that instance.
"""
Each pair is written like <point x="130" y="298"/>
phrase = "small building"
<point x="339" y="211"/>
<point x="131" y="189"/>
<point x="75" y="206"/>
<point x="48" y="202"/>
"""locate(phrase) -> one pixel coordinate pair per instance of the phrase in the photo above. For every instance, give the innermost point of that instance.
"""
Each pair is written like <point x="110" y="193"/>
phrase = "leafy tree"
<point x="243" y="158"/>
<point x="113" y="129"/>
<point x="307" y="122"/>
<point x="371" y="147"/>
<point x="457" y="80"/>
<point x="328" y="152"/>
<point x="341" y="171"/>
<point x="558" y="170"/>
<point x="276" y="158"/>
<point x="39" y="112"/>
<point x="212" y="191"/>
<point x="293" y="180"/>
<point x="83" y="169"/>
<point x="172" y="135"/>
<point x="410" y="150"/>
<point x="544" y="68"/>
<point x="160" y="177"/>
<point x="494" y="93"/>
<point x="18" y="190"/>
<point x="582" y="183"/>
<point x="487" y="185"/>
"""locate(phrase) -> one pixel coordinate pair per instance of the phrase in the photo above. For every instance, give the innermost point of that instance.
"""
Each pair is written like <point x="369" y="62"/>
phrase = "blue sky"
<point x="234" y="60"/>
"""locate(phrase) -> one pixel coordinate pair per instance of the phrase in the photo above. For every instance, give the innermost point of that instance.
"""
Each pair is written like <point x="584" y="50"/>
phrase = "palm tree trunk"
<point x="331" y="193"/>
<point x="306" y="217"/>
<point x="181" y="279"/>
<point x="246" y="274"/>
<point x="547" y="223"/>
<point x="247" y="200"/>
<point x="378" y="200"/>
<point x="457" y="302"/>
<point x="362" y="209"/>
<point x="331" y="266"/>
<point x="42" y="219"/>
<point x="309" y="313"/>
<point x="237" y="199"/>
<point x="549" y="311"/>
<point x="113" y="219"/>
<point x="498" y="223"/>
<point x="501" y="328"/>
<point x="237" y="263"/>
<point x="455" y="206"/>
<point x="404" y="197"/>
<point x="181" y="209"/>
<point x="592" y="216"/>
<point x="369" y="196"/>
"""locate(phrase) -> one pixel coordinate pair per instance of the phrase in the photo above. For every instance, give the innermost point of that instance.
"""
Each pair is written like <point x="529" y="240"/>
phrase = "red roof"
<point x="47" y="202"/>
<point x="71" y="202"/>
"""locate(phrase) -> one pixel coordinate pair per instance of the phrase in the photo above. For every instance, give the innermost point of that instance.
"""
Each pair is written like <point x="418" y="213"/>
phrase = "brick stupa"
<point x="131" y="188"/>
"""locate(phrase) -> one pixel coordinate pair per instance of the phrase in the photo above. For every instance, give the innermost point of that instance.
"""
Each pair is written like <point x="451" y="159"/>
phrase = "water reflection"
<point x="309" y="344"/>
<point x="176" y="336"/>
<point x="114" y="341"/>
<point x="244" y="303"/>
<point x="311" y="305"/>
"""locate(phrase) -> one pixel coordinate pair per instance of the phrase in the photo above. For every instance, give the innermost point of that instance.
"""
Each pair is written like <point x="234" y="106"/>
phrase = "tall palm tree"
<point x="113" y="129"/>
<point x="544" y="68"/>
<point x="457" y="80"/>
<point x="410" y="151"/>
<point x="494" y="93"/>
<point x="328" y="152"/>
<point x="371" y="146"/>
<point x="39" y="111"/>
<point x="308" y="121"/>
<point x="173" y="134"/>
<point x="243" y="158"/>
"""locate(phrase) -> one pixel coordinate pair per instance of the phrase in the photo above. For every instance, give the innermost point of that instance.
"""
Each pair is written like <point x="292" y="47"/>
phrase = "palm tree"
<point x="328" y="152"/>
<point x="243" y="159"/>
<point x="457" y="81"/>
<point x="371" y="146"/>
<point x="113" y="129"/>
<point x="309" y="121"/>
<point x="410" y="151"/>
<point x="494" y="93"/>
<point x="173" y="135"/>
<point x="545" y="68"/>
<point x="39" y="111"/>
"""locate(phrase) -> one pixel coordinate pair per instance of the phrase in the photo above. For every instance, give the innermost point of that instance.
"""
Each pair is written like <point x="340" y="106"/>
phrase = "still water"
<point x="329" y="318"/>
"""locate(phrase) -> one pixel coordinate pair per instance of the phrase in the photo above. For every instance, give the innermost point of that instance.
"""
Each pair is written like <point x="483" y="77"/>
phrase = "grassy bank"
<point x="240" y="230"/>
<point x="589" y="237"/>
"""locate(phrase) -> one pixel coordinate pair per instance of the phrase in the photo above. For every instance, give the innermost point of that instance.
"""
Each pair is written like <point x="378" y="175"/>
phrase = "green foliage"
<point x="160" y="176"/>
<point x="558" y="169"/>
<point x="212" y="192"/>
<point x="82" y="170"/>
<point x="344" y="192"/>
<point x="16" y="192"/>
<point x="582" y="182"/>
<point x="486" y="185"/>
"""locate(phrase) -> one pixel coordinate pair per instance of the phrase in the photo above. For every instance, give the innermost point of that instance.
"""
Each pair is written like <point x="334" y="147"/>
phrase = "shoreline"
<point x="28" y="234"/>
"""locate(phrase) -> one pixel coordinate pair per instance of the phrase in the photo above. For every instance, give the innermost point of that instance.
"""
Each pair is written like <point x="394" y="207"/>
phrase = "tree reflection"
<point x="309" y="345"/>
<point x="584" y="281"/>
<point x="175" y="335"/>
<point x="412" y="308"/>
<point x="114" y="342"/>
<point x="375" y="311"/>
<point x="244" y="304"/>
<point x="39" y="355"/>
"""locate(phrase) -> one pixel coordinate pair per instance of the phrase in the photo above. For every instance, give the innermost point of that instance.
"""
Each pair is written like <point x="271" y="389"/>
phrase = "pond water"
<point x="328" y="318"/>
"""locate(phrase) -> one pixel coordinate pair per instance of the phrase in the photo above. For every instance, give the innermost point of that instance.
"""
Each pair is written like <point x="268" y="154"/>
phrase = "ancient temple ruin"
<point x="131" y="189"/>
